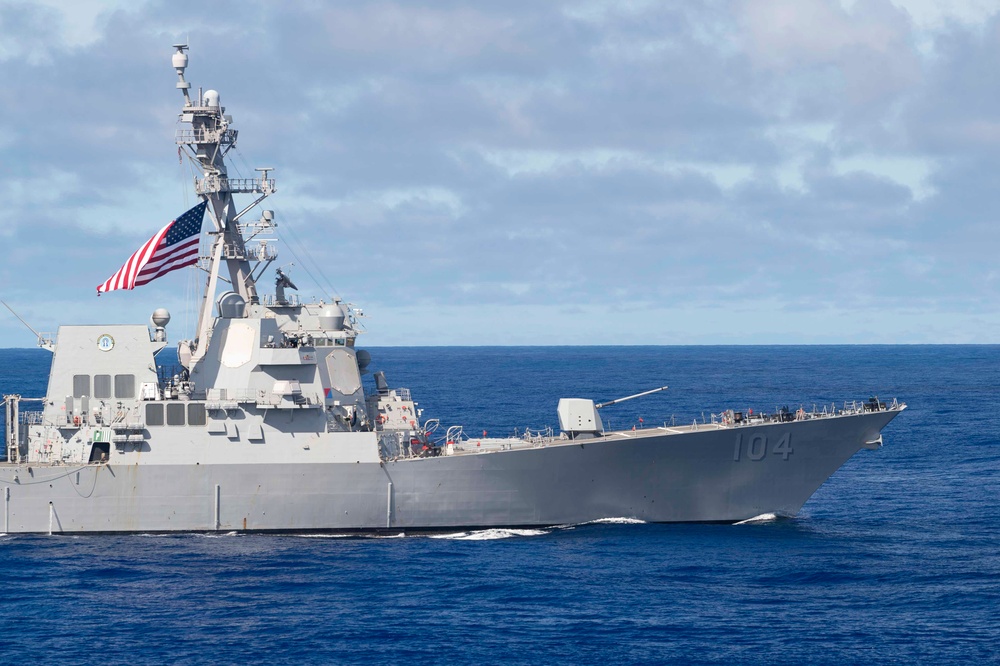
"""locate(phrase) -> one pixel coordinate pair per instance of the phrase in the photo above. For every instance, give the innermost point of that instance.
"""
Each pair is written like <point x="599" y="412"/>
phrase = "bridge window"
<point x="124" y="386"/>
<point x="154" y="414"/>
<point x="175" y="413"/>
<point x="196" y="413"/>
<point x="102" y="386"/>
<point x="81" y="385"/>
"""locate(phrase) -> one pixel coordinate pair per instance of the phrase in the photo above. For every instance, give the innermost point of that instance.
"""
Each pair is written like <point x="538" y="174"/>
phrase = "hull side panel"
<point x="709" y="475"/>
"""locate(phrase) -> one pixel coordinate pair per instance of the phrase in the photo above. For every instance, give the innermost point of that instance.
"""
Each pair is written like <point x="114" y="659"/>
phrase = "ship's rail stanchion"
<point x="539" y="435"/>
<point x="229" y="399"/>
<point x="47" y="340"/>
<point x="731" y="418"/>
<point x="213" y="184"/>
<point x="32" y="418"/>
<point x="290" y="300"/>
<point x="205" y="135"/>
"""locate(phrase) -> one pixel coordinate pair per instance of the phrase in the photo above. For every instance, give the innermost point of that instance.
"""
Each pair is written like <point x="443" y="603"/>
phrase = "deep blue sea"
<point x="895" y="560"/>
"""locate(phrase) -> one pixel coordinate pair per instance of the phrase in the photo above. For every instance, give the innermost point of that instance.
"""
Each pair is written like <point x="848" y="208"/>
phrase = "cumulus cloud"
<point x="755" y="167"/>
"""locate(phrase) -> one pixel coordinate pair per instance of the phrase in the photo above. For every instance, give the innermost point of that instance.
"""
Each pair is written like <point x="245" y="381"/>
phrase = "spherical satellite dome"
<point x="160" y="317"/>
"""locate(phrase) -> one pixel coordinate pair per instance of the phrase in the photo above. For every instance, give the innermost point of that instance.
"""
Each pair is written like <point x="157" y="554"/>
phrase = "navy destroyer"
<point x="267" y="425"/>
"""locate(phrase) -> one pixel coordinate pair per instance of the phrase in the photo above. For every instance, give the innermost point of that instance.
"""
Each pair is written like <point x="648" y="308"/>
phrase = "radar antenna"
<point x="180" y="63"/>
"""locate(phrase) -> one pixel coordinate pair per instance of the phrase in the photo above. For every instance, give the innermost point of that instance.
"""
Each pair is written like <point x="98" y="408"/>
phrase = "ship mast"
<point x="208" y="141"/>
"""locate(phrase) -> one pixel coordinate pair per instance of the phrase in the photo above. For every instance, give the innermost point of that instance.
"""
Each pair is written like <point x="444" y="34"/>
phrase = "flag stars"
<point x="172" y="247"/>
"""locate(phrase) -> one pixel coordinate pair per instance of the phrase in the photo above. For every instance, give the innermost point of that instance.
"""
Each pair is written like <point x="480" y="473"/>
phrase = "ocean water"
<point x="896" y="559"/>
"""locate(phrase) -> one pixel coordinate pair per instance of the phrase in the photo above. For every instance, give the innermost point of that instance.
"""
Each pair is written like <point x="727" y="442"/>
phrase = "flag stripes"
<point x="172" y="247"/>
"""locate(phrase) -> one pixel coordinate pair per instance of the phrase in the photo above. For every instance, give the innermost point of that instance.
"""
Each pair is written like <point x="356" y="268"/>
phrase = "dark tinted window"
<point x="154" y="414"/>
<point x="124" y="386"/>
<point x="196" y="413"/>
<point x="81" y="385"/>
<point x="102" y="386"/>
<point x="175" y="413"/>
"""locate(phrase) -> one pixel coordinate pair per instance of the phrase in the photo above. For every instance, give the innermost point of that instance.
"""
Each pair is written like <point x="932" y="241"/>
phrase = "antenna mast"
<point x="208" y="141"/>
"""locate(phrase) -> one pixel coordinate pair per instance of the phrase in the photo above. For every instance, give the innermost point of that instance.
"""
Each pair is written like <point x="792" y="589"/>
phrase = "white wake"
<point x="758" y="520"/>
<point x="489" y="535"/>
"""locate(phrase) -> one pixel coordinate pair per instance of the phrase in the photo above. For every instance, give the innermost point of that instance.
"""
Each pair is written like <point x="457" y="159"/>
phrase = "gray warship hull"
<point x="706" y="473"/>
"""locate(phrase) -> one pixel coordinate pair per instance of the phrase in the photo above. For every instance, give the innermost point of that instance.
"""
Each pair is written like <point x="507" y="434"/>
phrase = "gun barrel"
<point x="630" y="397"/>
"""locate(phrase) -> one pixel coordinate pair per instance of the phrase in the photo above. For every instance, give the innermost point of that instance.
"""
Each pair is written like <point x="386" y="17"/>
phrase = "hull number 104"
<point x="756" y="447"/>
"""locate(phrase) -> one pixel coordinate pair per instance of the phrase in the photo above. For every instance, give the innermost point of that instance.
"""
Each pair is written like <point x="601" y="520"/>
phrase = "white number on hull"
<point x="756" y="447"/>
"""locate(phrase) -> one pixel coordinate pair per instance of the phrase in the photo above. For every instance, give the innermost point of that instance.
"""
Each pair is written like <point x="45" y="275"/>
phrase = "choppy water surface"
<point x="895" y="559"/>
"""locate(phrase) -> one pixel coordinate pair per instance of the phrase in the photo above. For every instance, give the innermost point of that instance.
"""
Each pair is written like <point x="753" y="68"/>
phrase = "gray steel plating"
<point x="712" y="474"/>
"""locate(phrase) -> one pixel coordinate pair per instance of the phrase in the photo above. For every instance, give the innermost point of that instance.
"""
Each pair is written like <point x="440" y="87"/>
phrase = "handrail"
<point x="212" y="184"/>
<point x="205" y="135"/>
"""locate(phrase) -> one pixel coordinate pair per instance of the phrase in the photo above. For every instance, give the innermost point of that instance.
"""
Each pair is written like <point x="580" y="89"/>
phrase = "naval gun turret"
<point x="578" y="417"/>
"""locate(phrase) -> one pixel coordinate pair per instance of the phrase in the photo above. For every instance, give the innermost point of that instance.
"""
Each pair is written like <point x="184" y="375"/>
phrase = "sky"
<point x="524" y="172"/>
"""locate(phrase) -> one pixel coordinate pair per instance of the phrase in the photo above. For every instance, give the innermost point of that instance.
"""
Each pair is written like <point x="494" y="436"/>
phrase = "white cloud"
<point x="60" y="25"/>
<point x="732" y="160"/>
<point x="380" y="29"/>
<point x="932" y="14"/>
<point x="787" y="34"/>
<point x="539" y="162"/>
<point x="913" y="173"/>
<point x="80" y="21"/>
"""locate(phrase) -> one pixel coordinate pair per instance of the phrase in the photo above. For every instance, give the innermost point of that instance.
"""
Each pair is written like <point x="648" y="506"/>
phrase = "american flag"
<point x="172" y="247"/>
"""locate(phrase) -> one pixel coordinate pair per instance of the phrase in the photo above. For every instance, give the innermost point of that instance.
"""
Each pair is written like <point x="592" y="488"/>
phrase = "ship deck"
<point x="725" y="421"/>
